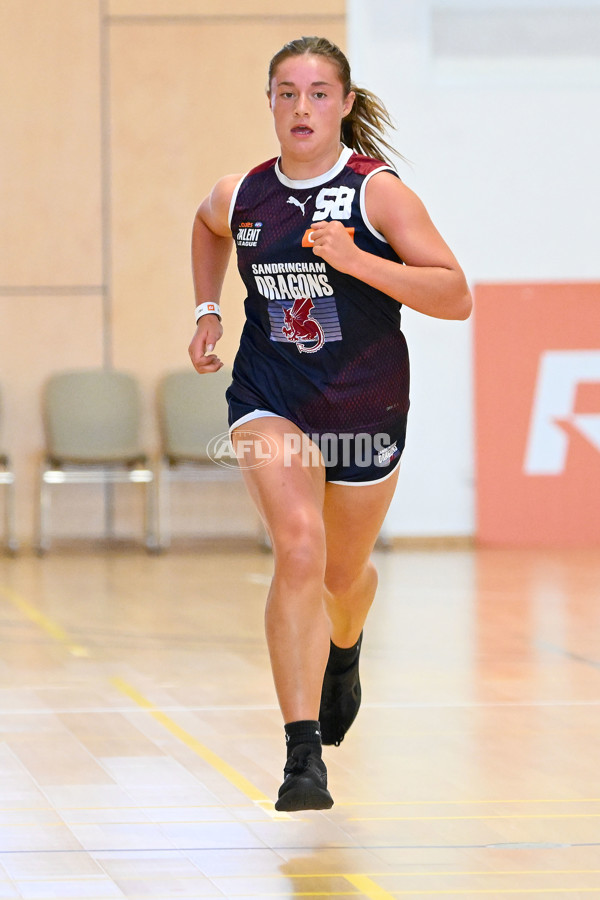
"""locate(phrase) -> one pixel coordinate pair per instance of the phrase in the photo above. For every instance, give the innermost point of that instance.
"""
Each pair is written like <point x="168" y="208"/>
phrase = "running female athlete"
<point x="330" y="244"/>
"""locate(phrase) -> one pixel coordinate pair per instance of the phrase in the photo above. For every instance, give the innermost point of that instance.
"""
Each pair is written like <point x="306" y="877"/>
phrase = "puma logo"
<point x="297" y="203"/>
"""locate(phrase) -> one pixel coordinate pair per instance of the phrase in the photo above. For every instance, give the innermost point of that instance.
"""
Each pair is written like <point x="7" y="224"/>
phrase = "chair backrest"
<point x="191" y="411"/>
<point x="92" y="416"/>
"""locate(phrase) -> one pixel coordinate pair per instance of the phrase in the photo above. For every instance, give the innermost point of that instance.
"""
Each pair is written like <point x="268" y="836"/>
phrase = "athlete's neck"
<point x="298" y="169"/>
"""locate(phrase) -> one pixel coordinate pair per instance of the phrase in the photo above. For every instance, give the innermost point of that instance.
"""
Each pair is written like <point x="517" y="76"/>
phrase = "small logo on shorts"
<point x="387" y="453"/>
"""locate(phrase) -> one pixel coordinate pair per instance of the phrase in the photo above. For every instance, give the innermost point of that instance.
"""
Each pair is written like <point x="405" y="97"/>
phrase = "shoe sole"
<point x="304" y="795"/>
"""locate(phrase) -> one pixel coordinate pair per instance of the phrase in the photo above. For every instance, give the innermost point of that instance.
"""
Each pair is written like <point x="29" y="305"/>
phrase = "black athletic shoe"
<point x="305" y="782"/>
<point x="340" y="701"/>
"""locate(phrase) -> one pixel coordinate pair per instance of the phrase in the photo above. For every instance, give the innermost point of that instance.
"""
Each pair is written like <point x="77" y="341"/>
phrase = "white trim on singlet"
<point x="233" y="199"/>
<point x="304" y="184"/>
<point x="363" y="203"/>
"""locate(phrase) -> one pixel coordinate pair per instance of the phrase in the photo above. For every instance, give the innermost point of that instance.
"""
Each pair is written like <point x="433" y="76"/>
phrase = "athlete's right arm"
<point x="211" y="249"/>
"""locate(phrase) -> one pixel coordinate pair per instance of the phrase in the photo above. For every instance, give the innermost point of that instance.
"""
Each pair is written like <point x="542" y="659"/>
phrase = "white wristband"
<point x="206" y="309"/>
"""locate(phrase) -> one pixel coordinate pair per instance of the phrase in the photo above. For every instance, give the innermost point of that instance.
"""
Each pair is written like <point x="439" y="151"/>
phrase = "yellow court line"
<point x="222" y="767"/>
<point x="368" y="888"/>
<point x="51" y="628"/>
<point x="373" y="892"/>
<point x="435" y="873"/>
<point x="59" y="634"/>
<point x="316" y="894"/>
<point x="488" y="873"/>
<point x="482" y="818"/>
<point x="495" y="891"/>
<point x="496" y="802"/>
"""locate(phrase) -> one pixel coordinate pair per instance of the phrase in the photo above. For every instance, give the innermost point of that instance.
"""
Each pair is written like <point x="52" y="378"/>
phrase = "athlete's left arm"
<point x="431" y="280"/>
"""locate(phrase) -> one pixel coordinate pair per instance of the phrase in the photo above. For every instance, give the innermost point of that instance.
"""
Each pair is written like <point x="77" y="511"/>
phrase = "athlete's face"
<point x="308" y="104"/>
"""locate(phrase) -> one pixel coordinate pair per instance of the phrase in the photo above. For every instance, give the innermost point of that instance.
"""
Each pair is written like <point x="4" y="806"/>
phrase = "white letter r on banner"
<point x="559" y="374"/>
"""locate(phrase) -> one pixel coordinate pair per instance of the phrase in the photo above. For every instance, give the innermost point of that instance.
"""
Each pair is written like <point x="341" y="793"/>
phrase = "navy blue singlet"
<point x="319" y="347"/>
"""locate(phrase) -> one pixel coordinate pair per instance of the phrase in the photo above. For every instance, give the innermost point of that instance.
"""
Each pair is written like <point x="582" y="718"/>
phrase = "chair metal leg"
<point x="109" y="510"/>
<point x="163" y="506"/>
<point x="150" y="516"/>
<point x="41" y="539"/>
<point x="10" y="535"/>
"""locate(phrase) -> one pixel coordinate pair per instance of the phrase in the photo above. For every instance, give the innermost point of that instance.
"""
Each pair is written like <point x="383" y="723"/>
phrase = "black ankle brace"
<point x="306" y="731"/>
<point x="342" y="658"/>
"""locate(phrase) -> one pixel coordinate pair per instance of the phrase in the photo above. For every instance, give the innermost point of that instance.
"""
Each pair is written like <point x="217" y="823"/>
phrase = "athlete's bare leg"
<point x="289" y="496"/>
<point x="353" y="517"/>
<point x="324" y="582"/>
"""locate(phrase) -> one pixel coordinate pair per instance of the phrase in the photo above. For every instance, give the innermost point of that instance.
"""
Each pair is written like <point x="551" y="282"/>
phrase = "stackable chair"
<point x="192" y="416"/>
<point x="7" y="482"/>
<point x="92" y="424"/>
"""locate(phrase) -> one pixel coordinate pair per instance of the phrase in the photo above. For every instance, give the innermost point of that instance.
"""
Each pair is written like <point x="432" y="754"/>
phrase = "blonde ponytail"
<point x="365" y="126"/>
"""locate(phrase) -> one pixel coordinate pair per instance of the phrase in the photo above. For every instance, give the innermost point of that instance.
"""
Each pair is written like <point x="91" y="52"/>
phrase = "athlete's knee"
<point x="299" y="543"/>
<point x="342" y="577"/>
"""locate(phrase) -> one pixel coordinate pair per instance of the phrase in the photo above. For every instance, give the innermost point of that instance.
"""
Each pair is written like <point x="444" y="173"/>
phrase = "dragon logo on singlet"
<point x="299" y="327"/>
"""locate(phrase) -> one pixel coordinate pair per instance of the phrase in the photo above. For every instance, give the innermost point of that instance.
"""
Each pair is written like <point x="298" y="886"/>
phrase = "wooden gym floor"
<point x="141" y="747"/>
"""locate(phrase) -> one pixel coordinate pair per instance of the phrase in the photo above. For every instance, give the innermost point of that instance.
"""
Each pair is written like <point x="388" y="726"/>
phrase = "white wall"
<point x="504" y="143"/>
